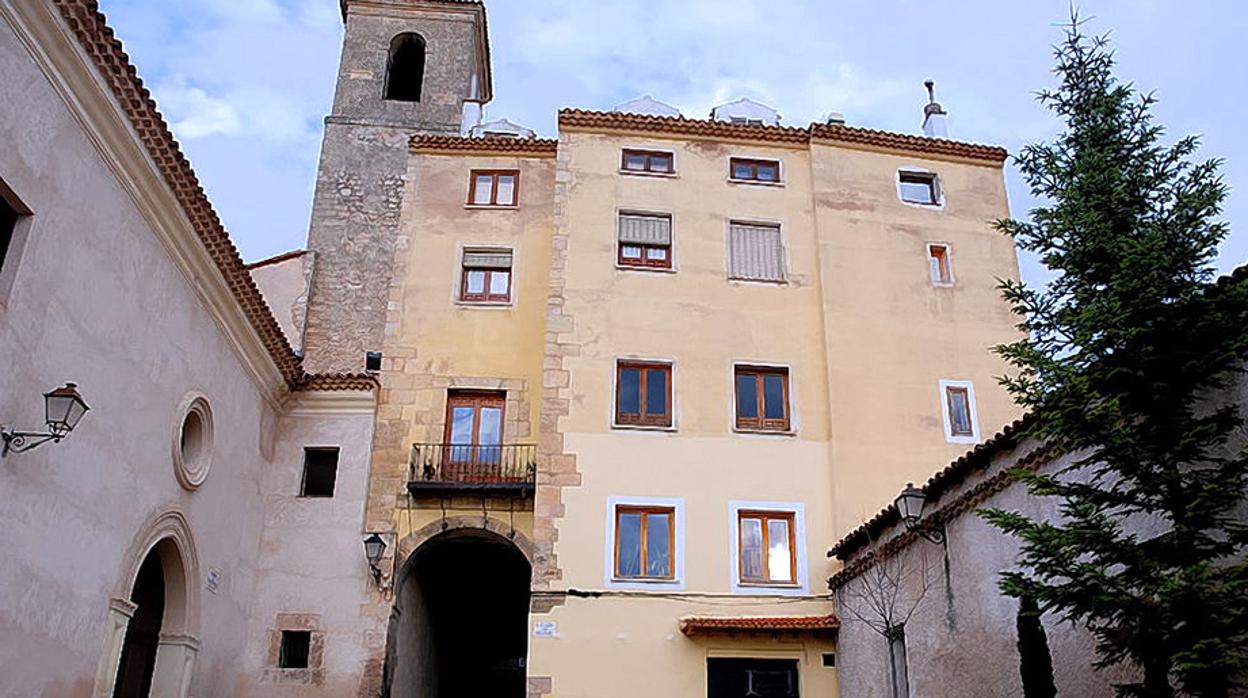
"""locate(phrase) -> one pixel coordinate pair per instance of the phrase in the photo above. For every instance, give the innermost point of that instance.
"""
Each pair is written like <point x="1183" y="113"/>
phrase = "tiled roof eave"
<point x="458" y="145"/>
<point x="693" y="626"/>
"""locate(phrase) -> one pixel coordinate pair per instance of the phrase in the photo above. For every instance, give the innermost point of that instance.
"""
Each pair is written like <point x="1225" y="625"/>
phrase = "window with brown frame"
<point x="938" y="260"/>
<point x="648" y="161"/>
<point x="486" y="276"/>
<point x="494" y="188"/>
<point x="762" y="398"/>
<point x="959" y="401"/>
<point x="645" y="542"/>
<point x="474" y="427"/>
<point x="748" y="170"/>
<point x="643" y="394"/>
<point x="767" y="547"/>
<point x="645" y="240"/>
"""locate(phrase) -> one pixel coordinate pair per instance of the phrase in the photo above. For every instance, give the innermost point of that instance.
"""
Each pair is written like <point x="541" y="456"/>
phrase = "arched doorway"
<point x="138" y="652"/>
<point x="460" y="621"/>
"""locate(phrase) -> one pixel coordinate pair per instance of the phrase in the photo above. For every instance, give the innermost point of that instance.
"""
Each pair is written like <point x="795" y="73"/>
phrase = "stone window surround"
<point x="314" y="674"/>
<point x="192" y="472"/>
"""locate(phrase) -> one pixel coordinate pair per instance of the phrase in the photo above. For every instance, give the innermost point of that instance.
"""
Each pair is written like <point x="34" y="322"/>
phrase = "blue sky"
<point x="247" y="83"/>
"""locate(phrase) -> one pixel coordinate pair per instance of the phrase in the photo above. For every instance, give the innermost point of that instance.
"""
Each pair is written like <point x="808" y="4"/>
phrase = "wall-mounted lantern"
<point x="63" y="409"/>
<point x="910" y="506"/>
<point x="374" y="548"/>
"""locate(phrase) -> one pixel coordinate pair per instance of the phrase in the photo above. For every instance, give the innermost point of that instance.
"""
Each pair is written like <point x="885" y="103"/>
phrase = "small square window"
<point x="648" y="161"/>
<point x="919" y="188"/>
<point x="643" y="394"/>
<point x="645" y="240"/>
<point x="938" y="261"/>
<point x="493" y="187"/>
<point x="372" y="361"/>
<point x="767" y="547"/>
<point x="747" y="170"/>
<point x="762" y="398"/>
<point x="486" y="276"/>
<point x="320" y="472"/>
<point x="645" y="541"/>
<point x="296" y="649"/>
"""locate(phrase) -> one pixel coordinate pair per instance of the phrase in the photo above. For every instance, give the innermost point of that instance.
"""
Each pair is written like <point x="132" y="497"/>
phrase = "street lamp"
<point x="910" y="507"/>
<point x="374" y="548"/>
<point x="63" y="409"/>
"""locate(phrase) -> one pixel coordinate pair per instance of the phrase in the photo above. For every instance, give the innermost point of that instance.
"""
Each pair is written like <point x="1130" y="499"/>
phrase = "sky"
<point x="246" y="84"/>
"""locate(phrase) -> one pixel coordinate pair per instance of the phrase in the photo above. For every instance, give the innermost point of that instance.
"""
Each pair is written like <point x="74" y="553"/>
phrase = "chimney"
<point x="473" y="112"/>
<point x="935" y="124"/>
<point x="836" y="118"/>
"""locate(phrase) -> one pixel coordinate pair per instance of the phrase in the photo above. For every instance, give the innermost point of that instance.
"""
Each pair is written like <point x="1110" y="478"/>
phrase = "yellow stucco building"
<point x="635" y="379"/>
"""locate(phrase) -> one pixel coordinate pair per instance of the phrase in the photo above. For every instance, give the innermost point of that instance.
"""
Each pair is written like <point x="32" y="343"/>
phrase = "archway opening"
<point x="138" y="653"/>
<point x="460" y="621"/>
<point x="405" y="69"/>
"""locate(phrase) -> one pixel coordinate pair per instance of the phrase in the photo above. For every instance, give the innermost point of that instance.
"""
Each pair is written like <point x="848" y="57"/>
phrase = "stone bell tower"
<point x="408" y="67"/>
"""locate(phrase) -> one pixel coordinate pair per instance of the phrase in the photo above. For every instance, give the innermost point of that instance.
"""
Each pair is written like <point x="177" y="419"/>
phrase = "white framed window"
<point x="645" y="543"/>
<point x="957" y="407"/>
<point x="767" y="546"/>
<point x="920" y="187"/>
<point x="939" y="263"/>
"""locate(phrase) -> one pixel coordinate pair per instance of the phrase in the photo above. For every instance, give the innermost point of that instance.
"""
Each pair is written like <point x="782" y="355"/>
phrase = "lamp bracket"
<point x="929" y="532"/>
<point x="22" y="441"/>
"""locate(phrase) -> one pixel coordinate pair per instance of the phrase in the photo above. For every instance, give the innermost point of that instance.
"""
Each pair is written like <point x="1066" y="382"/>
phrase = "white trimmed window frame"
<point x="674" y="174"/>
<point x="781" y="170"/>
<point x="798" y="510"/>
<point x="945" y="384"/>
<point x="677" y="582"/>
<point x="456" y="285"/>
<point x="643" y="211"/>
<point x="612" y="408"/>
<point x="927" y="248"/>
<point x="938" y="183"/>
<point x="794" y="417"/>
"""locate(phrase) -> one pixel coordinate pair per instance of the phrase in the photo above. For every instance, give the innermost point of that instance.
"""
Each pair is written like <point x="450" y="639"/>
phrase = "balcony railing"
<point x="448" y="468"/>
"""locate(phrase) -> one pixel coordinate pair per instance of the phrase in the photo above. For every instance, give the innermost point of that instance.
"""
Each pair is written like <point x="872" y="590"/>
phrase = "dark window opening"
<point x="405" y="70"/>
<point x="296" y="646"/>
<point x="320" y="471"/>
<point x="829" y="659"/>
<point x="8" y="222"/>
<point x="372" y="361"/>
<point x="919" y="188"/>
<point x="752" y="678"/>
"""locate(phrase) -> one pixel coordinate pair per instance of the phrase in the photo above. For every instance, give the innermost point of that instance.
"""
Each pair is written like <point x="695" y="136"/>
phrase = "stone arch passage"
<point x="459" y="626"/>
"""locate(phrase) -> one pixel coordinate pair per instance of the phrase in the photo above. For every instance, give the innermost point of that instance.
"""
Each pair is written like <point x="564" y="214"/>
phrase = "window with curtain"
<point x="645" y="240"/>
<point x="645" y="541"/>
<point x="486" y="276"/>
<point x="767" y="547"/>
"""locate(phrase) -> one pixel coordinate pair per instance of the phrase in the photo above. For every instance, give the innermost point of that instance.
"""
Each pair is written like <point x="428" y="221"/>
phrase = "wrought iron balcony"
<point x="440" y="469"/>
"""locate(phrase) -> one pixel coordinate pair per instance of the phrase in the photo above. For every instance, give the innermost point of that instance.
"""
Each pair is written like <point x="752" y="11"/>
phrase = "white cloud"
<point x="192" y="113"/>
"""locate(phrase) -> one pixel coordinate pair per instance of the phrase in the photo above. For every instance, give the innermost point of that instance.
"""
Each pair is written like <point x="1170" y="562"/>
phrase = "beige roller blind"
<point x="487" y="259"/>
<point x="755" y="252"/>
<point x="640" y="229"/>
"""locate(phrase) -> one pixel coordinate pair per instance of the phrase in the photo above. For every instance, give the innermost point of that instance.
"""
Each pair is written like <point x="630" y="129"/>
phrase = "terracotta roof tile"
<point x="978" y="457"/>
<point x="707" y="625"/>
<point x="337" y="381"/>
<point x="889" y="140"/>
<point x="544" y="147"/>
<point x="679" y="125"/>
<point x="97" y="39"/>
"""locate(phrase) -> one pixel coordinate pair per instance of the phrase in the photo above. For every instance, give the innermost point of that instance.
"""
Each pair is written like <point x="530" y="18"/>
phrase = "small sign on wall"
<point x="546" y="628"/>
<point x="213" y="583"/>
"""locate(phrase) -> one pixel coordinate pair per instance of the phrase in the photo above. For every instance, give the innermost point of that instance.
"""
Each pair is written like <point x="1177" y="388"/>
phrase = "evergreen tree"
<point x="1122" y="353"/>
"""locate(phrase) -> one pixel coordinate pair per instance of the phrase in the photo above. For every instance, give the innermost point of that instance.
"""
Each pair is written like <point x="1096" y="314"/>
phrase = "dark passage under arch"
<point x="138" y="653"/>
<point x="460" y="620"/>
<point x="405" y="68"/>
